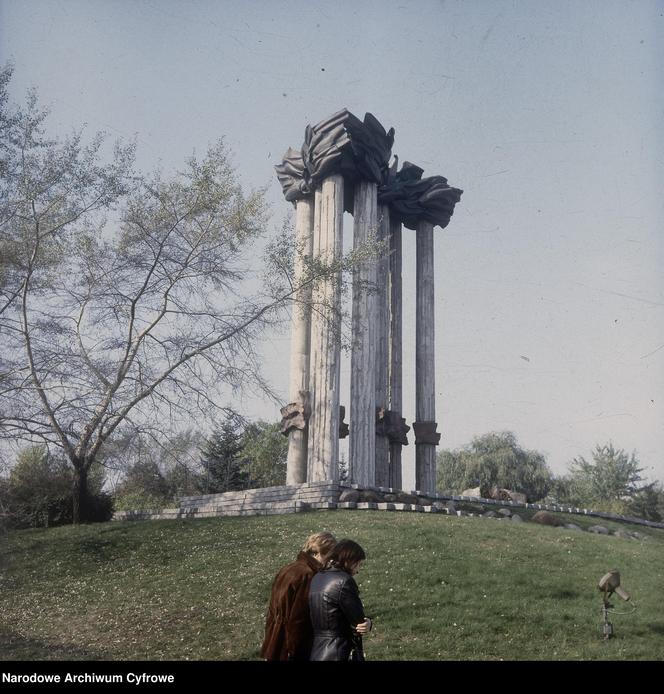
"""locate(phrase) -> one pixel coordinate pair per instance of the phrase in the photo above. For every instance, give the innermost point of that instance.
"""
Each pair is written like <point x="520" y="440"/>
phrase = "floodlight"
<point x="610" y="583"/>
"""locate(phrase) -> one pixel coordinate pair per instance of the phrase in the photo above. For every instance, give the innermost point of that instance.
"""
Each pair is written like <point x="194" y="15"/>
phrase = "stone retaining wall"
<point x="325" y="495"/>
<point x="251" y="502"/>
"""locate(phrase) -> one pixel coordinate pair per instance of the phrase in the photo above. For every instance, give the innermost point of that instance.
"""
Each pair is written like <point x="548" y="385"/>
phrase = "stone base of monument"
<point x="313" y="496"/>
<point x="250" y="502"/>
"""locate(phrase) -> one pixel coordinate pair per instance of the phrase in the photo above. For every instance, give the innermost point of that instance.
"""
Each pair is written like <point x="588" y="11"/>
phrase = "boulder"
<point x="498" y="494"/>
<point x="404" y="498"/>
<point x="598" y="529"/>
<point x="490" y="514"/>
<point x="506" y="495"/>
<point x="624" y="535"/>
<point x="516" y="517"/>
<point x="471" y="492"/>
<point x="573" y="526"/>
<point x="546" y="518"/>
<point x="349" y="495"/>
<point x="504" y="512"/>
<point x="370" y="495"/>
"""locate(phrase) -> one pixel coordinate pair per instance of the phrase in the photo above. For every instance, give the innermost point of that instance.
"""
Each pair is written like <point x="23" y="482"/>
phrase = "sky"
<point x="548" y="282"/>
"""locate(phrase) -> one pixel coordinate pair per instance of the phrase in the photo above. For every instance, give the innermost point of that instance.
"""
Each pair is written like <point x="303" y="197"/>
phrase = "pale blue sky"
<point x="547" y="114"/>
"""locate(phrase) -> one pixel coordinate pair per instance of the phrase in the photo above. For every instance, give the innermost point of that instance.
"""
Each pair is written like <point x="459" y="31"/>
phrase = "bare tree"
<point x="136" y="319"/>
<point x="47" y="188"/>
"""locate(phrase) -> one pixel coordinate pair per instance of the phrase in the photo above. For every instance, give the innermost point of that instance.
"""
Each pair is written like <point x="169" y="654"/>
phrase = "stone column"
<point x="382" y="349"/>
<point x="324" y="365"/>
<point x="362" y="443"/>
<point x="426" y="437"/>
<point x="296" y="466"/>
<point x="395" y="346"/>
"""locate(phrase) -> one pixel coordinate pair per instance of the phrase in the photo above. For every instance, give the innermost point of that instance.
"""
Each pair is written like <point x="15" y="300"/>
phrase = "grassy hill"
<point x="438" y="587"/>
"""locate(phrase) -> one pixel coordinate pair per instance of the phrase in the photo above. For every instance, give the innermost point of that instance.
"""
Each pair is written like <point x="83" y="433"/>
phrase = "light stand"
<point x="607" y="627"/>
<point x="609" y="584"/>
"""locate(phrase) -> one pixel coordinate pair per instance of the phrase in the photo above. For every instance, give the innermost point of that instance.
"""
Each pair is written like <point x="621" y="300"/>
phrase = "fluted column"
<point x="296" y="465"/>
<point x="362" y="442"/>
<point x="395" y="347"/>
<point x="382" y="474"/>
<point x="426" y="437"/>
<point x="323" y="451"/>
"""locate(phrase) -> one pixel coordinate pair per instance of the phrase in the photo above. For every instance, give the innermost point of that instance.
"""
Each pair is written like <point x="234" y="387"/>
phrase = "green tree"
<point x="38" y="484"/>
<point x="607" y="482"/>
<point x="343" y="468"/>
<point x="648" y="502"/>
<point x="144" y="486"/>
<point x="184" y="480"/>
<point x="566" y="492"/>
<point x="222" y="461"/>
<point x="264" y="451"/>
<point x="180" y="460"/>
<point x="152" y="472"/>
<point x="6" y="514"/>
<point x="494" y="459"/>
<point x="38" y="490"/>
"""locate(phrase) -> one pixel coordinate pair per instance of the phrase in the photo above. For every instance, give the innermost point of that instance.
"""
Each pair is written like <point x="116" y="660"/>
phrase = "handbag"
<point x="356" y="652"/>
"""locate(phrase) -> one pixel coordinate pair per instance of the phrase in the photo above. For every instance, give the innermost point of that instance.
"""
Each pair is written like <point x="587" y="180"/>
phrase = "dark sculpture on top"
<point x="361" y="150"/>
<point x="341" y="144"/>
<point x="412" y="199"/>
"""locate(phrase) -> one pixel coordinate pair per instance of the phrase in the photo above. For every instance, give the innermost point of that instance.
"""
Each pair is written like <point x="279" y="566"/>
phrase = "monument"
<point x="344" y="165"/>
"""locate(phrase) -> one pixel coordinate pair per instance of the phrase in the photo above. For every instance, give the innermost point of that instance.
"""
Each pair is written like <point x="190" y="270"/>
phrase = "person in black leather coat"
<point x="337" y="614"/>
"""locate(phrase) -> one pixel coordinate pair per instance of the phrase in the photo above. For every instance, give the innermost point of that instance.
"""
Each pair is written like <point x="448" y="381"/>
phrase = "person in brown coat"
<point x="288" y="631"/>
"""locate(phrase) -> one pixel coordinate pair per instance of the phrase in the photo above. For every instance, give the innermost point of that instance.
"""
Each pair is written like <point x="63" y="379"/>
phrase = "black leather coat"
<point x="335" y="607"/>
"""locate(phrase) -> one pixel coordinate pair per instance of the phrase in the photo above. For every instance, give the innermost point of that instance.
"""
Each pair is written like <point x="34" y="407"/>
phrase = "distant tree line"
<point x="236" y="455"/>
<point x="609" y="480"/>
<point x="38" y="491"/>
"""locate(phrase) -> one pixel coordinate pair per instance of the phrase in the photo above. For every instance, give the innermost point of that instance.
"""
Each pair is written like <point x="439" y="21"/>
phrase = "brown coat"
<point x="288" y="632"/>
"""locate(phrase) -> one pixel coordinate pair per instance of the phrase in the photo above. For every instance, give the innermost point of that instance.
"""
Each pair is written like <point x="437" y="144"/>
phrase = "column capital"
<point x="392" y="425"/>
<point x="296" y="414"/>
<point x="425" y="432"/>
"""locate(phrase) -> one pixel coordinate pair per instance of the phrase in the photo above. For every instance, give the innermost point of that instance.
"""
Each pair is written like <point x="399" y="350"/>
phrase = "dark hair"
<point x="345" y="554"/>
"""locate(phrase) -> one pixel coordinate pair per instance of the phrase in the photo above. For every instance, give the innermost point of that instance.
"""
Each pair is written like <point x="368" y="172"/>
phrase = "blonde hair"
<point x="320" y="543"/>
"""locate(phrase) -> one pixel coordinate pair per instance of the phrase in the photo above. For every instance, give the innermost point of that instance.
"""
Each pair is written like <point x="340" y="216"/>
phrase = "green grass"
<point x="438" y="587"/>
